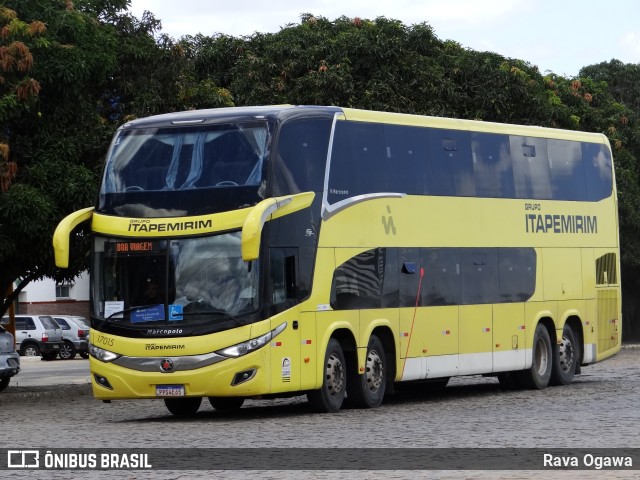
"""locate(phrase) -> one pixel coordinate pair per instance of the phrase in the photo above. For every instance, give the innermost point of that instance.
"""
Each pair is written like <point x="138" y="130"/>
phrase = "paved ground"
<point x="601" y="409"/>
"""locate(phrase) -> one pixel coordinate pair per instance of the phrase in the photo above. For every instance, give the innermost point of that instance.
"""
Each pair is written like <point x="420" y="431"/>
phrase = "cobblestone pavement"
<point x="600" y="409"/>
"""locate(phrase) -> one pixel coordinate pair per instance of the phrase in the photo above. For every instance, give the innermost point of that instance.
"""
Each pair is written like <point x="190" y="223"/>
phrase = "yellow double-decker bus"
<point x="262" y="252"/>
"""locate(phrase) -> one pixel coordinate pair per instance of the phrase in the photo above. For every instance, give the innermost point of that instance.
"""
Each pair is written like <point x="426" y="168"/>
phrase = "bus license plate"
<point x="169" y="390"/>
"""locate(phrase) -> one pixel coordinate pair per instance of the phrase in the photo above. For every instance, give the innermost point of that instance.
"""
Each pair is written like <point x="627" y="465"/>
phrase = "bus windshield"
<point x="180" y="282"/>
<point x="186" y="157"/>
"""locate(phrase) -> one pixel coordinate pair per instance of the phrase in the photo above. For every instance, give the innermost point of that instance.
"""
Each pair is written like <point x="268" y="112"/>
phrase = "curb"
<point x="50" y="392"/>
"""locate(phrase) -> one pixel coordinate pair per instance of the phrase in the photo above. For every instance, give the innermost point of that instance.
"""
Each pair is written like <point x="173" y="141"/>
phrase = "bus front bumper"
<point x="233" y="377"/>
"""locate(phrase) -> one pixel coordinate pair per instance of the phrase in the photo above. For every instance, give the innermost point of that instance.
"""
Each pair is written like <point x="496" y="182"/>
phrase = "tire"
<point x="30" y="350"/>
<point x="67" y="351"/>
<point x="537" y="377"/>
<point x="4" y="383"/>
<point x="183" y="407"/>
<point x="329" y="398"/>
<point x="367" y="390"/>
<point x="226" y="404"/>
<point x="565" y="358"/>
<point x="84" y="355"/>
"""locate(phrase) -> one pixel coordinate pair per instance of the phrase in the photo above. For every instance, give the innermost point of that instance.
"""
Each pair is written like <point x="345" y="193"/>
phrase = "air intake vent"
<point x="606" y="270"/>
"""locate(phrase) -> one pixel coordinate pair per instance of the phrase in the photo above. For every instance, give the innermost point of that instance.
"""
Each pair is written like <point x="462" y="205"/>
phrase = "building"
<point x="46" y="296"/>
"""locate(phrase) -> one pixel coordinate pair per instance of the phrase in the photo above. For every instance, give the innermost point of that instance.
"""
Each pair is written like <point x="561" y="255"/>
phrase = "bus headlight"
<point x="102" y="354"/>
<point x="254" y="344"/>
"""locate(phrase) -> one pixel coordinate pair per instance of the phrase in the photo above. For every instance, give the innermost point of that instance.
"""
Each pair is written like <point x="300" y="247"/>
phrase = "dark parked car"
<point x="9" y="358"/>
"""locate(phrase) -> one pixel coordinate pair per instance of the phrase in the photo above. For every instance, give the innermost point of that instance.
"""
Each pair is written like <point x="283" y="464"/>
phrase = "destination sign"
<point x="132" y="247"/>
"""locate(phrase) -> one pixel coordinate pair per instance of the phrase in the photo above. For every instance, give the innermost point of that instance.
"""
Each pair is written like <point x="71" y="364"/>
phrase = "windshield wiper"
<point x="132" y="309"/>
<point x="222" y="313"/>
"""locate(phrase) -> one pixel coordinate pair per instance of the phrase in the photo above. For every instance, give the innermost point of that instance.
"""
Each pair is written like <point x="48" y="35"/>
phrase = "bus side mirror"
<point x="276" y="207"/>
<point x="63" y="233"/>
<point x="252" y="228"/>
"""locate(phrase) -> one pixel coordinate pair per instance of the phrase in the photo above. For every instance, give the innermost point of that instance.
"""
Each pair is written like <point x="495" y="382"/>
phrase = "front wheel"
<point x="367" y="390"/>
<point x="565" y="358"/>
<point x="183" y="407"/>
<point x="4" y="383"/>
<point x="538" y="376"/>
<point x="330" y="396"/>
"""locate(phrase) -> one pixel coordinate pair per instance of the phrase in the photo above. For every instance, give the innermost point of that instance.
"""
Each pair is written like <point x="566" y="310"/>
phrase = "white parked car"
<point x="75" y="333"/>
<point x="37" y="335"/>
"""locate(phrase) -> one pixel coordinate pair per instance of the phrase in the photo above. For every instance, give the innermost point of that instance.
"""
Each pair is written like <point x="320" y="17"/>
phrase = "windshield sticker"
<point x="113" y="309"/>
<point x="149" y="314"/>
<point x="175" y="312"/>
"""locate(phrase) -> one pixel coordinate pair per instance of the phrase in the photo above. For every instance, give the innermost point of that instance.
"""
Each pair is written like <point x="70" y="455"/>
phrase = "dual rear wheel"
<point x="551" y="364"/>
<point x="342" y="379"/>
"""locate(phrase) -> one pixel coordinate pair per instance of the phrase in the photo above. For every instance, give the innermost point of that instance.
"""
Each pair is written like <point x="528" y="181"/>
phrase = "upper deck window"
<point x="374" y="158"/>
<point x="180" y="158"/>
<point x="300" y="156"/>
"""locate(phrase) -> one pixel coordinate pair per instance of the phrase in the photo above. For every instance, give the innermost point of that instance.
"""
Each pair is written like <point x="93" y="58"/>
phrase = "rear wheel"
<point x="30" y="350"/>
<point x="330" y="396"/>
<point x="67" y="351"/>
<point x="367" y="390"/>
<point x="84" y="355"/>
<point x="538" y="376"/>
<point x="565" y="358"/>
<point x="183" y="407"/>
<point x="226" y="403"/>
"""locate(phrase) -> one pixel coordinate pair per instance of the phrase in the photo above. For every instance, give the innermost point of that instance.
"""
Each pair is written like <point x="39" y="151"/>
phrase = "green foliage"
<point x="96" y="66"/>
<point x="622" y="80"/>
<point x="55" y="135"/>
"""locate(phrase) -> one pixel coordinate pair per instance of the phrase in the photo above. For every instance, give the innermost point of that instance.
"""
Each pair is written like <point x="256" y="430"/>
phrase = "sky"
<point x="560" y="36"/>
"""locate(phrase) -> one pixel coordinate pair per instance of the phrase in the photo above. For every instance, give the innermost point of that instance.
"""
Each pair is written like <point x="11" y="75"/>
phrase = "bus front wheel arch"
<point x="329" y="397"/>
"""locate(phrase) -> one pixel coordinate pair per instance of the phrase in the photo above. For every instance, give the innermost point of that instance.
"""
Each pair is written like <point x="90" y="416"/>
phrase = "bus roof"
<point x="228" y="113"/>
<point x="472" y="125"/>
<point x="283" y="112"/>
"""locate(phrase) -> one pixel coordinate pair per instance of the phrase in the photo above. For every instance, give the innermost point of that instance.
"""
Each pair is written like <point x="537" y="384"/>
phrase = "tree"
<point x="71" y="73"/>
<point x="18" y="90"/>
<point x="55" y="56"/>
